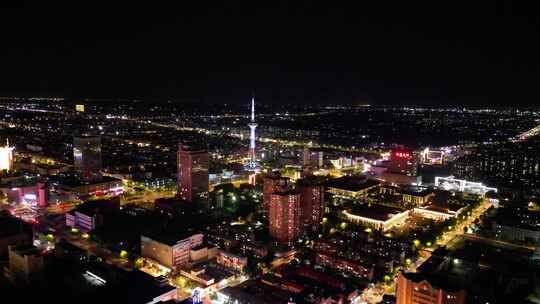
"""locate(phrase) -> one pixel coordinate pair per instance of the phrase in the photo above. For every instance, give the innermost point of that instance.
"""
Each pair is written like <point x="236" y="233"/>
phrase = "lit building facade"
<point x="170" y="254"/>
<point x="231" y="260"/>
<point x="312" y="204"/>
<point x="285" y="216"/>
<point x="87" y="158"/>
<point x="413" y="289"/>
<point x="273" y="182"/>
<point x="192" y="175"/>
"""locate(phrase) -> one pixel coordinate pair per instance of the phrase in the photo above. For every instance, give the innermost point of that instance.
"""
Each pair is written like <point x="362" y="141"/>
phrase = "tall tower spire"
<point x="252" y="162"/>
<point x="252" y="109"/>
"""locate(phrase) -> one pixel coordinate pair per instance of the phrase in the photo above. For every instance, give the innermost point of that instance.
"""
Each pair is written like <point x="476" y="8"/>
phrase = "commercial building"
<point x="31" y="192"/>
<point x="170" y="252"/>
<point x="25" y="263"/>
<point x="285" y="216"/>
<point x="87" y="158"/>
<point x="311" y="202"/>
<point x="414" y="288"/>
<point x="64" y="183"/>
<point x="351" y="187"/>
<point x="376" y="216"/>
<point x="273" y="182"/>
<point x="192" y="175"/>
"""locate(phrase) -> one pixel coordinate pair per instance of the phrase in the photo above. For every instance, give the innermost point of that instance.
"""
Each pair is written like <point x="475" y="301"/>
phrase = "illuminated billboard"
<point x="79" y="108"/>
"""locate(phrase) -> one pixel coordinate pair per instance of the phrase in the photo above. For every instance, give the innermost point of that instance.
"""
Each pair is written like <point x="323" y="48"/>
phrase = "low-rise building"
<point x="352" y="187"/>
<point x="414" y="288"/>
<point x="231" y="260"/>
<point x="90" y="215"/>
<point x="170" y="251"/>
<point x="376" y="216"/>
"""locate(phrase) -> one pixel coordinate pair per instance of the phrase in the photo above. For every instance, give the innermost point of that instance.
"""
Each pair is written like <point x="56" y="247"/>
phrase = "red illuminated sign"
<point x="402" y="154"/>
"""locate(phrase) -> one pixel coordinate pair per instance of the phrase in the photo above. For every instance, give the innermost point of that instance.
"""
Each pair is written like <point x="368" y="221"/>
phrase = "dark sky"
<point x="446" y="52"/>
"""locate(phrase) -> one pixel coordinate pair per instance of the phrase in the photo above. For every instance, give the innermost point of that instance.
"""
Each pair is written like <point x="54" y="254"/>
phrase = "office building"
<point x="192" y="173"/>
<point x="285" y="216"/>
<point x="87" y="158"/>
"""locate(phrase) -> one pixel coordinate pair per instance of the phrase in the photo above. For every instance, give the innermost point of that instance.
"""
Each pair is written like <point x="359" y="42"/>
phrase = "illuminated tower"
<point x="252" y="162"/>
<point x="6" y="157"/>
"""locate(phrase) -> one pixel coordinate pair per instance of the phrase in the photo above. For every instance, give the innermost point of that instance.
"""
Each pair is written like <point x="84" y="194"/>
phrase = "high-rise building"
<point x="414" y="288"/>
<point x="404" y="161"/>
<point x="312" y="203"/>
<point x="192" y="173"/>
<point x="6" y="157"/>
<point x="87" y="158"/>
<point x="285" y="216"/>
<point x="273" y="182"/>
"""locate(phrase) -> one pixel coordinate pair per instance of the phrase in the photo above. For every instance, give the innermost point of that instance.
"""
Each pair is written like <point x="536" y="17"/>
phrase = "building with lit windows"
<point x="192" y="173"/>
<point x="404" y="161"/>
<point x="273" y="182"/>
<point x="510" y="165"/>
<point x="231" y="260"/>
<point x="87" y="158"/>
<point x="416" y="196"/>
<point x="311" y="202"/>
<point x="170" y="251"/>
<point x="285" y="216"/>
<point x="414" y="288"/>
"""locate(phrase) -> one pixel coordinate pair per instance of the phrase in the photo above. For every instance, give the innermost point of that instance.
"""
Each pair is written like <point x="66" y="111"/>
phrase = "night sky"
<point x="442" y="53"/>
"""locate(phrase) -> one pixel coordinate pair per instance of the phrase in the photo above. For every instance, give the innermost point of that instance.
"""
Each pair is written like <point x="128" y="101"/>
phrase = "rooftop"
<point x="374" y="211"/>
<point x="352" y="183"/>
<point x="416" y="190"/>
